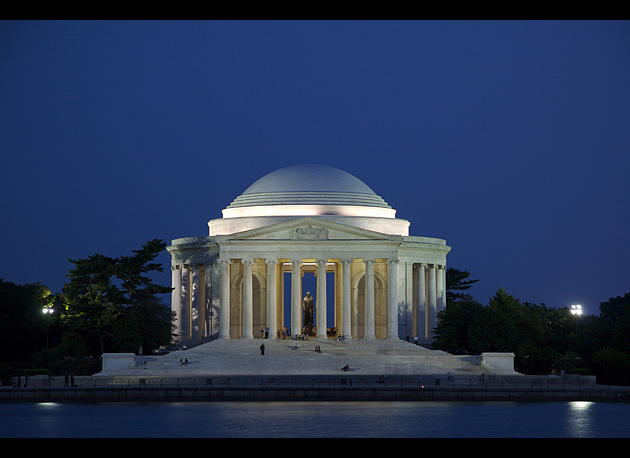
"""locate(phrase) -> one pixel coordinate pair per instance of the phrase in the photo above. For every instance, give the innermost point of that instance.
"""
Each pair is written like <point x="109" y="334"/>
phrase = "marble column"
<point x="176" y="297"/>
<point x="441" y="274"/>
<point x="421" y="301"/>
<point x="369" y="299"/>
<point x="392" y="287"/>
<point x="197" y="301"/>
<point x="224" y="317"/>
<point x="406" y="298"/>
<point x="272" y="294"/>
<point x="444" y="286"/>
<point x="208" y="331"/>
<point x="321" y="298"/>
<point x="432" y="305"/>
<point x="296" y="300"/>
<point x="346" y="299"/>
<point x="185" y="315"/>
<point x="248" y="306"/>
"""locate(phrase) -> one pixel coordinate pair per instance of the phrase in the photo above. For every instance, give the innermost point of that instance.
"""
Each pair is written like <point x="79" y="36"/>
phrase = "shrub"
<point x="579" y="371"/>
<point x="31" y="372"/>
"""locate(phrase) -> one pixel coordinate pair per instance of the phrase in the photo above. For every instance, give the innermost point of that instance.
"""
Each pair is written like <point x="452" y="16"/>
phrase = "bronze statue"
<point x="308" y="307"/>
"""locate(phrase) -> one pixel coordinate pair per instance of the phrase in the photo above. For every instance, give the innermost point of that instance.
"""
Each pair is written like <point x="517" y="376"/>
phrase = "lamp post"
<point x="577" y="311"/>
<point x="47" y="310"/>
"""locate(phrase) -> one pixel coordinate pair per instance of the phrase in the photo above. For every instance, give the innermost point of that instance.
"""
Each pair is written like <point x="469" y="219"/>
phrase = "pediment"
<point x="311" y="230"/>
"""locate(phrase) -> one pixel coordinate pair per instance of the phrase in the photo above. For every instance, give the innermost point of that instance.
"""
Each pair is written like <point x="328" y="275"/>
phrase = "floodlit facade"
<point x="245" y="279"/>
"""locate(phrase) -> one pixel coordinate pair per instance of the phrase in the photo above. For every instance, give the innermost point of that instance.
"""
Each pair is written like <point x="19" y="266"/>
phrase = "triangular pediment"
<point x="310" y="229"/>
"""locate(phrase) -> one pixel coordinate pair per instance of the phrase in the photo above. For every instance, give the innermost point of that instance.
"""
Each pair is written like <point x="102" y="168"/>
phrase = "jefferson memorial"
<point x="245" y="280"/>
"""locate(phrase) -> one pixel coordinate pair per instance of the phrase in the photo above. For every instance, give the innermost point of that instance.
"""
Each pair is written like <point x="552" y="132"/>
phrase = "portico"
<point x="373" y="280"/>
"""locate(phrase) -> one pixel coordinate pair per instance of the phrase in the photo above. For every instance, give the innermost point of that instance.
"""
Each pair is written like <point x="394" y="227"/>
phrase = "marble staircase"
<point x="289" y="357"/>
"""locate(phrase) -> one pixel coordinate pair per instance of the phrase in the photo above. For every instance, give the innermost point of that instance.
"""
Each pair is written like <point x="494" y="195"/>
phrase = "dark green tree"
<point x="615" y="316"/>
<point x="457" y="282"/>
<point x="453" y="322"/>
<point x="146" y="320"/>
<point x="116" y="301"/>
<point x="611" y="366"/>
<point x="497" y="328"/>
<point x="542" y="340"/>
<point x="92" y="300"/>
<point x="551" y="323"/>
<point x="535" y="359"/>
<point x="23" y="326"/>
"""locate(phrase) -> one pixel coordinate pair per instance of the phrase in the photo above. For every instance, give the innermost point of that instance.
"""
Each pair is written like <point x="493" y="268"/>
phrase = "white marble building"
<point x="373" y="280"/>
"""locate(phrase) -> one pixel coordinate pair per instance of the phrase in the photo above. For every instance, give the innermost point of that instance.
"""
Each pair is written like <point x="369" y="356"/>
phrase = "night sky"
<point x="508" y="139"/>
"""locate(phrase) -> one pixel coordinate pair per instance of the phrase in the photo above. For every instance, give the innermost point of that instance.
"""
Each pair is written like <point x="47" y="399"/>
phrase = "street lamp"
<point x="47" y="310"/>
<point x="577" y="311"/>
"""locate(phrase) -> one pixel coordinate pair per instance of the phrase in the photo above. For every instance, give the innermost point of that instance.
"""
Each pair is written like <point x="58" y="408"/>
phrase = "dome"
<point x="308" y="189"/>
<point x="309" y="178"/>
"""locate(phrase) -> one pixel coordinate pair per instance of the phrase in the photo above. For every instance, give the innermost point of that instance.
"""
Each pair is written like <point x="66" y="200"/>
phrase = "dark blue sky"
<point x="508" y="139"/>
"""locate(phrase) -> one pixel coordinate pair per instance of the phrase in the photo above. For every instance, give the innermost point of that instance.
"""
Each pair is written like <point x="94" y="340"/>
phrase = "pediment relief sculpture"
<point x="309" y="232"/>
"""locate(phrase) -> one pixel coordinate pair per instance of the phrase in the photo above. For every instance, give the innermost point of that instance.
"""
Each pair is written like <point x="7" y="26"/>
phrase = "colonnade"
<point x="428" y="297"/>
<point x="296" y="297"/>
<point x="417" y="295"/>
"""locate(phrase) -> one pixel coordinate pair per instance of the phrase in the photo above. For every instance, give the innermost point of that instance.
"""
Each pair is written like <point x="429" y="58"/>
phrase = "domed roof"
<point x="308" y="189"/>
<point x="309" y="177"/>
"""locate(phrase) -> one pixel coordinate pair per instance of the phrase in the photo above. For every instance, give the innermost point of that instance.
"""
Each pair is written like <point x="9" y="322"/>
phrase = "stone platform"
<point x="236" y="357"/>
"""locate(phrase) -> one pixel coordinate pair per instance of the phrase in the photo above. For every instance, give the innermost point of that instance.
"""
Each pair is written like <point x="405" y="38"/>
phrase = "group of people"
<point x="283" y="333"/>
<point x="183" y="362"/>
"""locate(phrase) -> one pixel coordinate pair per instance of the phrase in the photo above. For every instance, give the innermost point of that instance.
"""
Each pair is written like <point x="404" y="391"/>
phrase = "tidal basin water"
<point x="321" y="419"/>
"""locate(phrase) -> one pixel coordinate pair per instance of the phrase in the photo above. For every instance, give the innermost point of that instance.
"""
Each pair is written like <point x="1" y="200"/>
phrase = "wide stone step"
<point x="291" y="357"/>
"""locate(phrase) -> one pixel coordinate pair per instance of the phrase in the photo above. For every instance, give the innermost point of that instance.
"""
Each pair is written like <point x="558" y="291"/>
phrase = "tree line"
<point x="109" y="304"/>
<point x="544" y="339"/>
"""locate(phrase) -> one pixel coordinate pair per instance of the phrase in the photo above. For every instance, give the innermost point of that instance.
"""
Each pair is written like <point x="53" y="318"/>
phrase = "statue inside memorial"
<point x="308" y="307"/>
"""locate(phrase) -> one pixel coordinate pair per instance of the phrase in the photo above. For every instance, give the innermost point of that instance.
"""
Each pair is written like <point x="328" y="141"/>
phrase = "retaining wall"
<point x="306" y="388"/>
<point x="274" y="393"/>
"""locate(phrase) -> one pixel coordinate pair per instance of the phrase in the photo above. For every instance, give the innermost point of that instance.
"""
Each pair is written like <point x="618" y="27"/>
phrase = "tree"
<point x="453" y="322"/>
<point x="535" y="359"/>
<point x="552" y="324"/>
<point x="92" y="298"/>
<point x="116" y="301"/>
<point x="497" y="328"/>
<point x="23" y="326"/>
<point x="611" y="366"/>
<point x="145" y="315"/>
<point x="615" y="314"/>
<point x="456" y="282"/>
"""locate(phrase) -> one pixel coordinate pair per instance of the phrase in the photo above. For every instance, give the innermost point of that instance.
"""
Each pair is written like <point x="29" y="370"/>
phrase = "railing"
<point x="308" y="381"/>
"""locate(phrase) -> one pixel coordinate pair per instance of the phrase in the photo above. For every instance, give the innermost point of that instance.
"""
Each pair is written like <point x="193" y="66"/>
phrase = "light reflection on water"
<point x="317" y="419"/>
<point x="579" y="419"/>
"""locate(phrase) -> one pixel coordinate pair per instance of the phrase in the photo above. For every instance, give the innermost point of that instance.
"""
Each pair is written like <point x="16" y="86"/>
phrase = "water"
<point x="321" y="419"/>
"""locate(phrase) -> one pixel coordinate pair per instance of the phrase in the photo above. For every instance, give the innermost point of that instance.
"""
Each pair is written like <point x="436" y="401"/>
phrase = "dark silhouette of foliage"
<point x="116" y="301"/>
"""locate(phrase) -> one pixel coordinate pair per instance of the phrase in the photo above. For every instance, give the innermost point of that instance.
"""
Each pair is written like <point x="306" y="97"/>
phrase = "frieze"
<point x="309" y="233"/>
